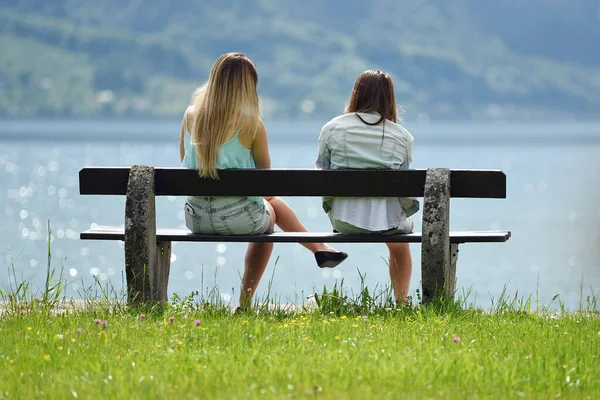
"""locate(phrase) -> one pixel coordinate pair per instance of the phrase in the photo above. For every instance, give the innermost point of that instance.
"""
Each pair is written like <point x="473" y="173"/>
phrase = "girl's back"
<point x="350" y="143"/>
<point x="232" y="153"/>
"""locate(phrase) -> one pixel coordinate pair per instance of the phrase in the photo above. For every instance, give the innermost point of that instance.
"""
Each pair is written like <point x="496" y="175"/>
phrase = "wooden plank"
<point x="183" y="235"/>
<point x="295" y="182"/>
<point x="103" y="180"/>
<point x="478" y="184"/>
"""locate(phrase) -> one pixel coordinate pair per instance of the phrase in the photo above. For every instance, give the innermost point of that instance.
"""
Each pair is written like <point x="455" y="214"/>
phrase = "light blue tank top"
<point x="232" y="154"/>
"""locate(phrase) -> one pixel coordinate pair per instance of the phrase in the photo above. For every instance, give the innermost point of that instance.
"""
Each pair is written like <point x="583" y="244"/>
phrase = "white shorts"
<point x="406" y="226"/>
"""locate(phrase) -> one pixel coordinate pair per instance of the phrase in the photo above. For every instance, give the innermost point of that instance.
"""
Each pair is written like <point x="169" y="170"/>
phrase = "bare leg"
<point x="400" y="270"/>
<point x="289" y="222"/>
<point x="255" y="263"/>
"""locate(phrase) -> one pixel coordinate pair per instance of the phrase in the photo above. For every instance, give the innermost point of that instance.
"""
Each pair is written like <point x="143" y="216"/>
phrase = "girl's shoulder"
<point x="188" y="117"/>
<point x="405" y="133"/>
<point x="399" y="132"/>
<point x="340" y="121"/>
<point x="343" y="118"/>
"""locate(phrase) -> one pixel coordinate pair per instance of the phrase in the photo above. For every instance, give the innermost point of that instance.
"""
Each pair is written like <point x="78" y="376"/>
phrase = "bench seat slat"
<point x="183" y="235"/>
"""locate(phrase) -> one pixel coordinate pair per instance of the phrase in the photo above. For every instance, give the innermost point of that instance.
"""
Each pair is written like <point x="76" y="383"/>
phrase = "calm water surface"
<point x="552" y="209"/>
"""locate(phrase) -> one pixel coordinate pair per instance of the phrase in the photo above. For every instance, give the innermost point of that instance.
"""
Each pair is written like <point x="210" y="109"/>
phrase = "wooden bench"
<point x="148" y="249"/>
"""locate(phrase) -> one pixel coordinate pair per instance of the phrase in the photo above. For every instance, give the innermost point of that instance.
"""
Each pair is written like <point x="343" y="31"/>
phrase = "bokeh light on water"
<point x="552" y="210"/>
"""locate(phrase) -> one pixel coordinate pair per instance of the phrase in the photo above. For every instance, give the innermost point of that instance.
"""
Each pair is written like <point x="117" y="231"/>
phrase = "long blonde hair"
<point x="227" y="103"/>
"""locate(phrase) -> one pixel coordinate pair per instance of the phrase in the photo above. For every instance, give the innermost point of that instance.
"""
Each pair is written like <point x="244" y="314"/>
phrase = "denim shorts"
<point x="226" y="216"/>
<point x="406" y="226"/>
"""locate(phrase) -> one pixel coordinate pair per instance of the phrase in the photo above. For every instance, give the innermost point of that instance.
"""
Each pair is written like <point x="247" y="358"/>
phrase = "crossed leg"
<point x="288" y="221"/>
<point x="258" y="254"/>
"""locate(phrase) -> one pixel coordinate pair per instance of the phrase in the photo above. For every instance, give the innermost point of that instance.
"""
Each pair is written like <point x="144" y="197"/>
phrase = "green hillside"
<point x="449" y="60"/>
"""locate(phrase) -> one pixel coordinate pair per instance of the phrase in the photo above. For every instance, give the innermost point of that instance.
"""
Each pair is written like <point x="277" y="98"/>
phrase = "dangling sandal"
<point x="329" y="259"/>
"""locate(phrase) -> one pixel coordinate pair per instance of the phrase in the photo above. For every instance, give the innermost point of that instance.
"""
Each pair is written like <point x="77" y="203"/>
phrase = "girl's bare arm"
<point x="260" y="148"/>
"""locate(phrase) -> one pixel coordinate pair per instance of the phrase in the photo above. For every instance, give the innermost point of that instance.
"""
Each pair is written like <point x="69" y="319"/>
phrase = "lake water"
<point x="552" y="209"/>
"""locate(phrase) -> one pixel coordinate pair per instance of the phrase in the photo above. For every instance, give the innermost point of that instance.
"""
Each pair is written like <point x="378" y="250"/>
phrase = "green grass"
<point x="398" y="353"/>
<point x="340" y="347"/>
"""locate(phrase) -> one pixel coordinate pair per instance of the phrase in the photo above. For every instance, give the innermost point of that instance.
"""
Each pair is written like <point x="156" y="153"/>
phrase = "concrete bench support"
<point x="437" y="271"/>
<point x="141" y="257"/>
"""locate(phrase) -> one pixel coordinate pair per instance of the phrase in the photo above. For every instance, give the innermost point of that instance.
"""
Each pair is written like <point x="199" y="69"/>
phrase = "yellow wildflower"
<point x="337" y="338"/>
<point x="29" y="328"/>
<point x="47" y="357"/>
<point x="11" y="361"/>
<point x="73" y="340"/>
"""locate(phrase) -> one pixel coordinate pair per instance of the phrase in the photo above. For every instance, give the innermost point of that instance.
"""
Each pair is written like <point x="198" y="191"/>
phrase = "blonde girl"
<point x="222" y="129"/>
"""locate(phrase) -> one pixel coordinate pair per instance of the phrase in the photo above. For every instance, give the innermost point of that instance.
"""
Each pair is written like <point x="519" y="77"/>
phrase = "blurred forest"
<point x="459" y="59"/>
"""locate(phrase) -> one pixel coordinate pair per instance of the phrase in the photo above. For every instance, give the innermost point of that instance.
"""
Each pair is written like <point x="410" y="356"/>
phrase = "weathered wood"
<point x="435" y="246"/>
<point x="295" y="182"/>
<point x="160" y="276"/>
<point x="140" y="234"/>
<point x="184" y="235"/>
<point x="477" y="184"/>
<point x="451" y="277"/>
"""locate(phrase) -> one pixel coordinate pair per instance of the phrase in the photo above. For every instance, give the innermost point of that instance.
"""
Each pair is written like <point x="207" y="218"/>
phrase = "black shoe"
<point x="329" y="259"/>
<point x="239" y="311"/>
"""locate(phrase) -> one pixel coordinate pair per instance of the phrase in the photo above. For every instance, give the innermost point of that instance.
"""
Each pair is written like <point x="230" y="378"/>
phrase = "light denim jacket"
<point x="347" y="142"/>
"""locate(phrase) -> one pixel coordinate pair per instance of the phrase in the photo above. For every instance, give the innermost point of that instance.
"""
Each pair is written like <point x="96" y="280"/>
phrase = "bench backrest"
<point x="295" y="182"/>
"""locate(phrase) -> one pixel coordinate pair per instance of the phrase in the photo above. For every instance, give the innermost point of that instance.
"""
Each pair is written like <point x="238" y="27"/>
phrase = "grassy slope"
<point x="400" y="353"/>
<point x="440" y="65"/>
<point x="25" y="70"/>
